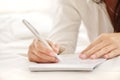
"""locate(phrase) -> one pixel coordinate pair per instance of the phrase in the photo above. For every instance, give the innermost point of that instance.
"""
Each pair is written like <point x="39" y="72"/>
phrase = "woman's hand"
<point x="106" y="46"/>
<point x="38" y="52"/>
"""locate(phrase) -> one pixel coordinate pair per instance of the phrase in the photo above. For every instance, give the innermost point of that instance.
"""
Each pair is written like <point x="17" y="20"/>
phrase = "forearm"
<point x="66" y="26"/>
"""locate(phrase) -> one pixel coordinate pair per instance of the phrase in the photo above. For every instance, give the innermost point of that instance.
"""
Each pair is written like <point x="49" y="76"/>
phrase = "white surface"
<point x="70" y="62"/>
<point x="14" y="42"/>
<point x="15" y="67"/>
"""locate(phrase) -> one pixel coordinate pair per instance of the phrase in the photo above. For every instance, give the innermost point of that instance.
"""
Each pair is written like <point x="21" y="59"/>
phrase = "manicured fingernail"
<point x="93" y="57"/>
<point x="83" y="56"/>
<point x="106" y="56"/>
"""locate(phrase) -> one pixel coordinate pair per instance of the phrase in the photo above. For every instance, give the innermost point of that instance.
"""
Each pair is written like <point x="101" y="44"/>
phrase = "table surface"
<point x="15" y="67"/>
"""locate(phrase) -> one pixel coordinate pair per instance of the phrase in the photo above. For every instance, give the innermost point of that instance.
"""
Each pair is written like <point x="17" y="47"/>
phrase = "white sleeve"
<point x="66" y="25"/>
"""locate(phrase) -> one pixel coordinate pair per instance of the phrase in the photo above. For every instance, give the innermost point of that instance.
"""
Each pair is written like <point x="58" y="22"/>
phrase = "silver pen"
<point x="37" y="35"/>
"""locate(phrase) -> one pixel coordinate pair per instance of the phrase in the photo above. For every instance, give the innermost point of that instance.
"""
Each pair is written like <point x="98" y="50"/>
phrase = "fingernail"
<point x="93" y="57"/>
<point x="83" y="56"/>
<point x="106" y="56"/>
<point x="56" y="60"/>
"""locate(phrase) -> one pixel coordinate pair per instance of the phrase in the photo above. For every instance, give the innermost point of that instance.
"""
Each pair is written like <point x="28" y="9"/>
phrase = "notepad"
<point x="68" y="63"/>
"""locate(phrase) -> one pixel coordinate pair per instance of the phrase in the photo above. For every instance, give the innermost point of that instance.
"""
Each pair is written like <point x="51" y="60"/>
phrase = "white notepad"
<point x="68" y="63"/>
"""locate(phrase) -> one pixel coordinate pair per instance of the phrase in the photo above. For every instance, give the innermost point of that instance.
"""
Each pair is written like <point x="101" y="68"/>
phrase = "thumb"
<point x="54" y="46"/>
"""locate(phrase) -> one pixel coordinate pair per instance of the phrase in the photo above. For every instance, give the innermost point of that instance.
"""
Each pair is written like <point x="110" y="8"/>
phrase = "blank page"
<point x="68" y="63"/>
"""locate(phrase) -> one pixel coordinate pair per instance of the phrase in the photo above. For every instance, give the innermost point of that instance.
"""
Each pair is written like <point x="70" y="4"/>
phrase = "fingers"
<point x="44" y="57"/>
<point x="40" y="47"/>
<point x="103" y="51"/>
<point x="34" y="58"/>
<point x="112" y="54"/>
<point x="97" y="41"/>
<point x="54" y="46"/>
<point x="94" y="49"/>
<point x="38" y="52"/>
<point x="107" y="46"/>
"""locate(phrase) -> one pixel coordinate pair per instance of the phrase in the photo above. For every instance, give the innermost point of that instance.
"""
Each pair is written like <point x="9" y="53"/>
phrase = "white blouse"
<point x="67" y="20"/>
